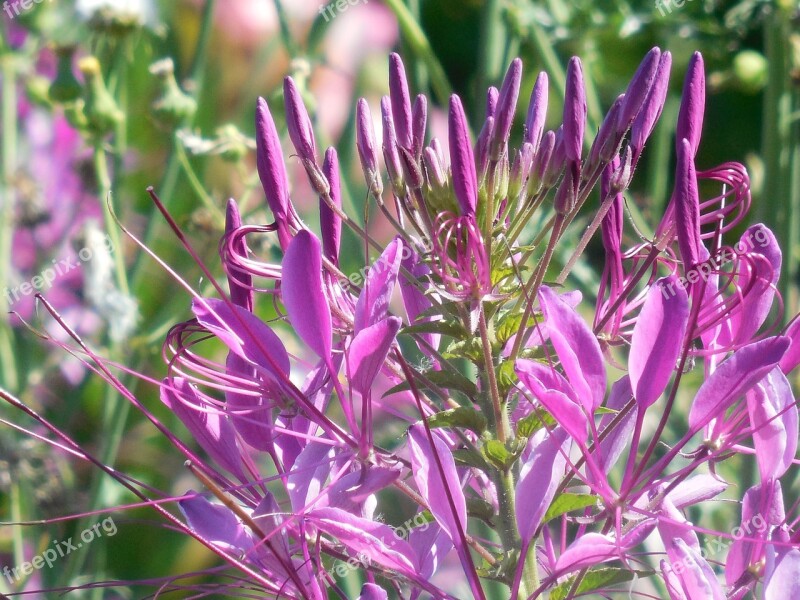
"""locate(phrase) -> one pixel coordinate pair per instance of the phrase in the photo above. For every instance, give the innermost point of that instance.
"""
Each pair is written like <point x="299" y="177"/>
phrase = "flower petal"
<point x="733" y="377"/>
<point x="657" y="340"/>
<point x="374" y="542"/>
<point x="303" y="297"/>
<point x="441" y="489"/>
<point x="774" y="418"/>
<point x="373" y="302"/>
<point x="577" y="349"/>
<point x="368" y="351"/>
<point x="211" y="429"/>
<point x="540" y="474"/>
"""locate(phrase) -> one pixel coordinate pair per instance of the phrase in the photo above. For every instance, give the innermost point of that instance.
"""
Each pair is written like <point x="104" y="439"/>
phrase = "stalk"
<point x="9" y="108"/>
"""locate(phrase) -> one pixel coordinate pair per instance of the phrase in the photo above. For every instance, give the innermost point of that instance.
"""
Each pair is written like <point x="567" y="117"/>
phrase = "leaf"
<point x="446" y="379"/>
<point x="597" y="579"/>
<point x="471" y="458"/>
<point x="508" y="325"/>
<point x="470" y="349"/>
<point x="568" y="502"/>
<point x="480" y="509"/>
<point x="499" y="455"/>
<point x="463" y="417"/>
<point x="529" y="425"/>
<point x="449" y="328"/>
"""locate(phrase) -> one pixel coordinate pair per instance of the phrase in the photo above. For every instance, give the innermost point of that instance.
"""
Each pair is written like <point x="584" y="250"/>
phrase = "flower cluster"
<point x="509" y="450"/>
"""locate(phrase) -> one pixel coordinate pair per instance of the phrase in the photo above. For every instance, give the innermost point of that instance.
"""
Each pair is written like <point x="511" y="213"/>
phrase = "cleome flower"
<point x="508" y="455"/>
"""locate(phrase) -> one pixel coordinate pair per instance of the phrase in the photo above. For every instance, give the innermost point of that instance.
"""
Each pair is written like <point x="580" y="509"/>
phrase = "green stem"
<point x="420" y="45"/>
<point x="780" y="204"/>
<point x="490" y="53"/>
<point x="9" y="119"/>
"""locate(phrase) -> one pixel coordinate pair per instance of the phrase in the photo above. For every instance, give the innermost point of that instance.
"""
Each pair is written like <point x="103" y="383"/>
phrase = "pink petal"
<point x="211" y="429"/>
<point x="657" y="339"/>
<point x="564" y="409"/>
<point x="587" y="551"/>
<point x="577" y="349"/>
<point x="370" y="591"/>
<point x="371" y="540"/>
<point x="773" y="416"/>
<point x="303" y="296"/>
<point x="438" y="487"/>
<point x="368" y="352"/>
<point x="244" y="334"/>
<point x="373" y="302"/>
<point x="733" y="377"/>
<point x="539" y="476"/>
<point x="782" y="579"/>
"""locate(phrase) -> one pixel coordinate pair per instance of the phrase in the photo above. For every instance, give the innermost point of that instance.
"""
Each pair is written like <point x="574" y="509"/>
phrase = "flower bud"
<point x="172" y="106"/>
<point x="102" y="112"/>
<point x="65" y="87"/>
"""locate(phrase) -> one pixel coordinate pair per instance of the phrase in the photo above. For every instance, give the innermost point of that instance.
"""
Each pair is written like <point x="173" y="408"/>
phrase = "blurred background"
<point x="103" y="98"/>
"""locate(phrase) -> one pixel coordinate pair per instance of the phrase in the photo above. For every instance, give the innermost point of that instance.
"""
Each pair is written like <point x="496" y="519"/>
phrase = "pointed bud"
<point x="419" y="122"/>
<point x="462" y="160"/>
<point x="647" y="118"/>
<point x="606" y="142"/>
<point x="298" y="122"/>
<point x="401" y="102"/>
<point x="565" y="198"/>
<point x="240" y="283"/>
<point x="574" y="110"/>
<point x="413" y="173"/>
<point x="330" y="223"/>
<point x="492" y="94"/>
<point x="639" y="89"/>
<point x="623" y="175"/>
<point x="365" y="142"/>
<point x="693" y="102"/>
<point x="687" y="207"/>
<point x="541" y="162"/>
<point x="272" y="170"/>
<point x="390" y="154"/>
<point x="506" y="109"/>
<point x="557" y="160"/>
<point x="437" y="177"/>
<point x="537" y="111"/>
<point x="482" y="146"/>
<point x="520" y="169"/>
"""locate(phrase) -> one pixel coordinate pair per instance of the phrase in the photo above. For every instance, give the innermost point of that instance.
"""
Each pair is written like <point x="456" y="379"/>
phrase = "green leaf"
<point x="470" y="458"/>
<point x="498" y="454"/>
<point x="527" y="426"/>
<point x="567" y="502"/>
<point x="470" y="349"/>
<point x="597" y="579"/>
<point x="506" y="377"/>
<point x="443" y="327"/>
<point x="480" y="509"/>
<point x="463" y="417"/>
<point x="446" y="379"/>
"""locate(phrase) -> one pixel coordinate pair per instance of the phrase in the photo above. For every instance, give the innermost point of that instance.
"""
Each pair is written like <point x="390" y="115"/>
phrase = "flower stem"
<point x="9" y="119"/>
